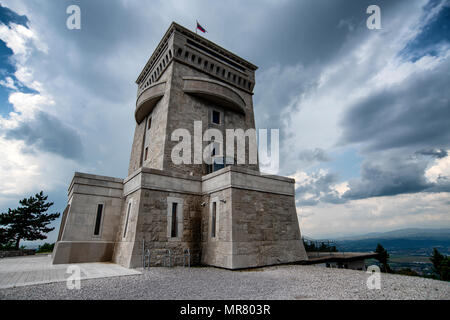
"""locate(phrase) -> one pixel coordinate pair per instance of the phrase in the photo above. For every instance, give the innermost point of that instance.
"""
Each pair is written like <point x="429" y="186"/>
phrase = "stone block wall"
<point x="78" y="243"/>
<point x="156" y="138"/>
<point x="184" y="109"/>
<point x="148" y="219"/>
<point x="265" y="229"/>
<point x="217" y="251"/>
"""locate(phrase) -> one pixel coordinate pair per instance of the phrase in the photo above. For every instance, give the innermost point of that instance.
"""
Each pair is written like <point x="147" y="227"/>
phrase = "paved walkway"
<point x="198" y="283"/>
<point x="30" y="270"/>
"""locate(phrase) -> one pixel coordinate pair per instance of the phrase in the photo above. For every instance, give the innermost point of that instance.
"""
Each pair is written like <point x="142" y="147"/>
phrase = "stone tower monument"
<point x="224" y="211"/>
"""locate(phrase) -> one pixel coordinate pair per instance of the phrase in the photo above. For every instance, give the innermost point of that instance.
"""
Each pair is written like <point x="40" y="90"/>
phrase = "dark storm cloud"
<point x="47" y="133"/>
<point x="292" y="54"/>
<point x="437" y="153"/>
<point x="292" y="42"/>
<point x="392" y="177"/>
<point x="414" y="114"/>
<point x="313" y="155"/>
<point x="431" y="38"/>
<point x="8" y="16"/>
<point x="110" y="49"/>
<point x="306" y="32"/>
<point x="393" y="126"/>
<point x="405" y="120"/>
<point x="318" y="188"/>
<point x="388" y="178"/>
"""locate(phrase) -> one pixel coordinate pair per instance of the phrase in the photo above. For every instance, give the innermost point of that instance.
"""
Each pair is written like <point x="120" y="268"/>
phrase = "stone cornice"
<point x="188" y="33"/>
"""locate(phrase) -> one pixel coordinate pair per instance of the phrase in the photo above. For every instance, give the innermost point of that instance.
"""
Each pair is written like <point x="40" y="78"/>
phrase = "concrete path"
<point x="30" y="270"/>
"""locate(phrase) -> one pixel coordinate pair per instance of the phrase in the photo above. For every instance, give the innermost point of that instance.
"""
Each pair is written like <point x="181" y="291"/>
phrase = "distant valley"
<point x="405" y="241"/>
<point x="408" y="248"/>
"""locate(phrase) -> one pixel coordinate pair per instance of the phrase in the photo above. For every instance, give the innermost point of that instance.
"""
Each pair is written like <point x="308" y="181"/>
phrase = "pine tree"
<point x="383" y="258"/>
<point x="441" y="265"/>
<point x="5" y="239"/>
<point x="436" y="258"/>
<point x="29" y="221"/>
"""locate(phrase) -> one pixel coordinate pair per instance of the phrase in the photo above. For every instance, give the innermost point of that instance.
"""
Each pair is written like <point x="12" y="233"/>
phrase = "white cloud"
<point x="18" y="38"/>
<point x="23" y="171"/>
<point x="341" y="188"/>
<point x="86" y="81"/>
<point x="301" y="178"/>
<point x="363" y="71"/>
<point x="439" y="170"/>
<point x="25" y="107"/>
<point x="375" y="214"/>
<point x="8" y="83"/>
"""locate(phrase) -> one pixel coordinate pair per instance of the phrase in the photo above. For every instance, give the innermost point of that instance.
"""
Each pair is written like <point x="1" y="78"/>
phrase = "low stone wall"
<point x="82" y="251"/>
<point x="17" y="253"/>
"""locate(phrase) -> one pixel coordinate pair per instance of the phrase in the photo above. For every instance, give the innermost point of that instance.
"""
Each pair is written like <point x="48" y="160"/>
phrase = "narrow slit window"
<point x="216" y="117"/>
<point x="146" y="153"/>
<point x="174" y="227"/>
<point x="149" y="123"/>
<point x="126" y="221"/>
<point x="98" y="220"/>
<point x="213" y="219"/>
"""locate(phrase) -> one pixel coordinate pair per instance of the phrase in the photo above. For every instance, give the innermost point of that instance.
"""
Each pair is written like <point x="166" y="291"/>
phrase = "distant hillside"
<point x="410" y="233"/>
<point x="412" y="241"/>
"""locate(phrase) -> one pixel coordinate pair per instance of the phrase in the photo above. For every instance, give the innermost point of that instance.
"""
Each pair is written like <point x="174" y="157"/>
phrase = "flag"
<point x="199" y="27"/>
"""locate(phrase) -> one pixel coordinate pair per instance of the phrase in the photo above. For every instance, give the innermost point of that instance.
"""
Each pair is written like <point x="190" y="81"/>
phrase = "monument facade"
<point x="227" y="214"/>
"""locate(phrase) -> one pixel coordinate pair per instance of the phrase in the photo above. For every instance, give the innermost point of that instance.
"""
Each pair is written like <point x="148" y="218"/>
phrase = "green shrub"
<point x="46" y="247"/>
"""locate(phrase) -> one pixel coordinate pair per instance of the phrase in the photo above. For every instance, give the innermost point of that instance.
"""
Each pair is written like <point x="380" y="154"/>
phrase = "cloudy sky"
<point x="364" y="115"/>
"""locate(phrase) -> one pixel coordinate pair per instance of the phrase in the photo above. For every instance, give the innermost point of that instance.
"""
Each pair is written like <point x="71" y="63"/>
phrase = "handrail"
<point x="168" y="257"/>
<point x="143" y="253"/>
<point x="147" y="255"/>
<point x="187" y="254"/>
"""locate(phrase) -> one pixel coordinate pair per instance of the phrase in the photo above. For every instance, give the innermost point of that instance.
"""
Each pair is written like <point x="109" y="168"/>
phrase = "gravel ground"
<point x="281" y="282"/>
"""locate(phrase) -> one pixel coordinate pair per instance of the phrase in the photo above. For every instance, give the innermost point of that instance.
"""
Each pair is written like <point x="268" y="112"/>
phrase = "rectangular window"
<point x="98" y="220"/>
<point x="216" y="117"/>
<point x="213" y="220"/>
<point x="174" y="227"/>
<point x="146" y="153"/>
<point x="149" y="123"/>
<point x="126" y="221"/>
